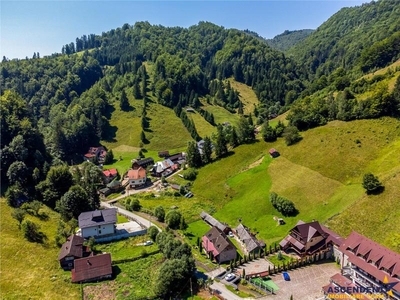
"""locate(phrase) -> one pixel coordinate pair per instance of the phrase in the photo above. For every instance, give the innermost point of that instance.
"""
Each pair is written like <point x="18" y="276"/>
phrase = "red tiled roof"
<point x="342" y="281"/>
<point x="111" y="172"/>
<point x="137" y="174"/>
<point x="376" y="253"/>
<point x="91" y="267"/>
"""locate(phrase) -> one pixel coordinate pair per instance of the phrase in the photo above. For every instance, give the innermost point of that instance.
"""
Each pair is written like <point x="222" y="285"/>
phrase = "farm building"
<point x="144" y="162"/>
<point x="214" y="222"/>
<point x="72" y="249"/>
<point x="249" y="240"/>
<point x="92" y="268"/>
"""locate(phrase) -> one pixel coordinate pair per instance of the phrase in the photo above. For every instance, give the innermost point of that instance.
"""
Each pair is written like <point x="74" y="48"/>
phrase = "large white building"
<point x="98" y="223"/>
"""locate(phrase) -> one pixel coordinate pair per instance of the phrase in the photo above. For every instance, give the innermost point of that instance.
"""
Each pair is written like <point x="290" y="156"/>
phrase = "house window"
<point x="99" y="231"/>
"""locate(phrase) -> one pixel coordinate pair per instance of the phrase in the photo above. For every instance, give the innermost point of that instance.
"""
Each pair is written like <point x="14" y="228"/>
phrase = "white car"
<point x="230" y="277"/>
<point x="230" y="234"/>
<point x="148" y="243"/>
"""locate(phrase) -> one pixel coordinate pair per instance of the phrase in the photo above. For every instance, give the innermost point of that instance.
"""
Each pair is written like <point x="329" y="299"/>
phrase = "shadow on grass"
<point x="377" y="191"/>
<point x="110" y="132"/>
<point x="115" y="271"/>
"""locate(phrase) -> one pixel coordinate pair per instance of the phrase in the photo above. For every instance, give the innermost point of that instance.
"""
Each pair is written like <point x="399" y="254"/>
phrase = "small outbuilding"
<point x="273" y="153"/>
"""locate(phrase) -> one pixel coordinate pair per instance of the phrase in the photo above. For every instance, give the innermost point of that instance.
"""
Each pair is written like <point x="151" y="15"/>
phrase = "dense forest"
<point x="55" y="107"/>
<point x="288" y="39"/>
<point x="341" y="40"/>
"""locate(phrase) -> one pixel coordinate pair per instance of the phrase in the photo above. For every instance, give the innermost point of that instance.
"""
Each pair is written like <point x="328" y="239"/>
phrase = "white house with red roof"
<point x="137" y="177"/>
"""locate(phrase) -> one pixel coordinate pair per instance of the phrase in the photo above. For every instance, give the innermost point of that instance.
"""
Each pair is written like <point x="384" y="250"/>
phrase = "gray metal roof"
<point x="97" y="217"/>
<point x="212" y="221"/>
<point x="247" y="238"/>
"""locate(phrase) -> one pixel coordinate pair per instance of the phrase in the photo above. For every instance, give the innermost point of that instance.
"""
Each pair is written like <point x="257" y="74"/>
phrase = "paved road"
<point x="146" y="223"/>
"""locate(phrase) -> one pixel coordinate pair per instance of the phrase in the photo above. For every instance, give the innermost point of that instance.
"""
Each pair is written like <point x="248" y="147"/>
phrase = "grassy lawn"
<point x="239" y="293"/>
<point x="134" y="280"/>
<point x="196" y="230"/>
<point x="121" y="219"/>
<point x="189" y="207"/>
<point x="274" y="259"/>
<point x="31" y="270"/>
<point x="127" y="248"/>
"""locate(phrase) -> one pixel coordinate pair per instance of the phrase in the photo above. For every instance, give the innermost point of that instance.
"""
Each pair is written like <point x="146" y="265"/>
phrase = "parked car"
<point x="189" y="195"/>
<point x="286" y="276"/>
<point x="230" y="277"/>
<point x="148" y="243"/>
<point x="230" y="234"/>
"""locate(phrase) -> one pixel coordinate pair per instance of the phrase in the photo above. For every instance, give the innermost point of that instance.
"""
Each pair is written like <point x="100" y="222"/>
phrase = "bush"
<point x="291" y="134"/>
<point x="173" y="219"/>
<point x="283" y="205"/>
<point x="159" y="213"/>
<point x="153" y="231"/>
<point x="190" y="174"/>
<point x="32" y="232"/>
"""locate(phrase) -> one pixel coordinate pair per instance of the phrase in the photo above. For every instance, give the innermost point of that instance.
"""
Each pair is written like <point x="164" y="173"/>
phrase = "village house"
<point x="97" y="223"/>
<point x="164" y="168"/>
<point x="109" y="175"/>
<point x="92" y="268"/>
<point x="214" y="222"/>
<point x="137" y="177"/>
<point x="367" y="264"/>
<point x="218" y="246"/>
<point x="98" y="153"/>
<point x="309" y="238"/>
<point x="72" y="249"/>
<point x="249" y="240"/>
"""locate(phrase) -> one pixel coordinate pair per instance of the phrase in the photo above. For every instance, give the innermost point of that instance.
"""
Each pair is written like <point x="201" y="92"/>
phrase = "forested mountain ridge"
<point x="341" y="40"/>
<point x="288" y="39"/>
<point x="71" y="96"/>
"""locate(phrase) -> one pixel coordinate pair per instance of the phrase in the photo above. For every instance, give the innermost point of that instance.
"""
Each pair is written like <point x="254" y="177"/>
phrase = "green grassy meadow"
<point x="31" y="270"/>
<point x="128" y="248"/>
<point x="246" y="95"/>
<point x="134" y="280"/>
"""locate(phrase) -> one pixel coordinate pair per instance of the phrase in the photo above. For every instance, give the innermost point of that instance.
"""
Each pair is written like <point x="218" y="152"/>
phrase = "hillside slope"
<point x="288" y="39"/>
<point x="339" y="41"/>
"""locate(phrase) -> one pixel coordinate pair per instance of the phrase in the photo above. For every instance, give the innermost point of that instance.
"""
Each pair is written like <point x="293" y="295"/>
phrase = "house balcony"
<point x="365" y="280"/>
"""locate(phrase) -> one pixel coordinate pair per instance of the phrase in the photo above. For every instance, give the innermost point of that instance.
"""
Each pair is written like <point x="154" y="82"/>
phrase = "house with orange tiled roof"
<point x="137" y="177"/>
<point x="93" y="153"/>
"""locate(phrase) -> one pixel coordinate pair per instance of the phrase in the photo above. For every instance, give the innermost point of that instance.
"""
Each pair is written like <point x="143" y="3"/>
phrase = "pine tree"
<point x="221" y="148"/>
<point x="207" y="151"/>
<point x="193" y="157"/>
<point x="123" y="102"/>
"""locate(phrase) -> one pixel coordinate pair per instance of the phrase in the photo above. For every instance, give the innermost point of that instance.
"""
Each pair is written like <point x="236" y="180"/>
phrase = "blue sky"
<point x="44" y="26"/>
